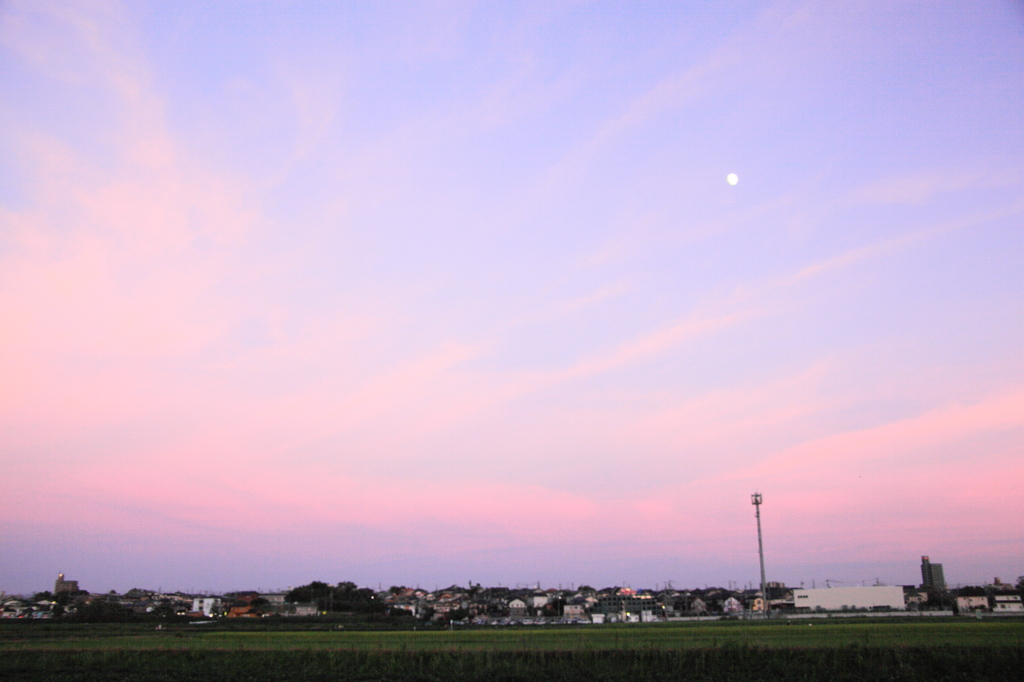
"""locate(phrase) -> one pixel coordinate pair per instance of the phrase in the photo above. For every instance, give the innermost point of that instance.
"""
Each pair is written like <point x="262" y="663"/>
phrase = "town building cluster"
<point x="480" y="605"/>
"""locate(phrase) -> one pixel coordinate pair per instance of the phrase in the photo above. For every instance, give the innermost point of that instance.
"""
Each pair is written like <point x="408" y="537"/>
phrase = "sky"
<point x="435" y="292"/>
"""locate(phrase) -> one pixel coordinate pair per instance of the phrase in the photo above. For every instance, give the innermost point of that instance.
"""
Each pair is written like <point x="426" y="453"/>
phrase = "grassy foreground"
<point x="668" y="636"/>
<point x="925" y="651"/>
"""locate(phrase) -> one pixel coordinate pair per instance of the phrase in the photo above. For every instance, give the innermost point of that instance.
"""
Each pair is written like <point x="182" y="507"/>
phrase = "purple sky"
<point x="423" y="293"/>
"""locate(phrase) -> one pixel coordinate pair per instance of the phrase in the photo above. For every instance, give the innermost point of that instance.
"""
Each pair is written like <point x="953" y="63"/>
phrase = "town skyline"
<point x="478" y="604"/>
<point x="730" y="584"/>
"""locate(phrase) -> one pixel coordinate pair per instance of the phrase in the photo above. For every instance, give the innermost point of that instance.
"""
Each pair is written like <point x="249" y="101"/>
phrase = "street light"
<point x="755" y="500"/>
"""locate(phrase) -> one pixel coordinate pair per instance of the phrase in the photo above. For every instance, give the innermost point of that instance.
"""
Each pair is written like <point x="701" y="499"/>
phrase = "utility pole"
<point x="755" y="499"/>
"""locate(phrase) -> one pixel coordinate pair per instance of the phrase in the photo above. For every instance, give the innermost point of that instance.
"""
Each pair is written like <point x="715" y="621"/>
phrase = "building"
<point x="623" y="605"/>
<point x="1007" y="603"/>
<point x="968" y="602"/>
<point x="208" y="606"/>
<point x="931" y="575"/>
<point x="877" y="598"/>
<point x="732" y="605"/>
<point x="516" y="608"/>
<point x="914" y="596"/>
<point x="294" y="609"/>
<point x="65" y="585"/>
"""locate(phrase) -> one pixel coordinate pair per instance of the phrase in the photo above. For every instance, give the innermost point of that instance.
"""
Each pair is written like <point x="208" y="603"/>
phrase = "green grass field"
<point x="918" y="651"/>
<point x="668" y="636"/>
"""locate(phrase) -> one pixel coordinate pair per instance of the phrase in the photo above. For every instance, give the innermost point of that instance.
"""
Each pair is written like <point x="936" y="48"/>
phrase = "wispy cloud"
<point x="906" y="439"/>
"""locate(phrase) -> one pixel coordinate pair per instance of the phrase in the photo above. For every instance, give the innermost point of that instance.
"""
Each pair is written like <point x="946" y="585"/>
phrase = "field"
<point x="834" y="650"/>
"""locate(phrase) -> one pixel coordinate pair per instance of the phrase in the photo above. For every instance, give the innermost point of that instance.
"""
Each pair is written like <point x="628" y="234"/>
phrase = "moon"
<point x="732" y="178"/>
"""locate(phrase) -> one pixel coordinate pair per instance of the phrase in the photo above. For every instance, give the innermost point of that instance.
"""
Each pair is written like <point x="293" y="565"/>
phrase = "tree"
<point x="1020" y="583"/>
<point x="316" y="591"/>
<point x="101" y="611"/>
<point x="345" y="596"/>
<point x="456" y="614"/>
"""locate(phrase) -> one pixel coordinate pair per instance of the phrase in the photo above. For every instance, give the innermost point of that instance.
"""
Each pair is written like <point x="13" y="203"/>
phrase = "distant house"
<point x="1007" y="603"/>
<point x="294" y="609"/>
<point x="971" y="603"/>
<point x="970" y="599"/>
<point x="732" y="605"/>
<point x="516" y="608"/>
<point x="913" y="596"/>
<point x="404" y="606"/>
<point x="207" y="606"/>
<point x="14" y="608"/>
<point x="623" y="604"/>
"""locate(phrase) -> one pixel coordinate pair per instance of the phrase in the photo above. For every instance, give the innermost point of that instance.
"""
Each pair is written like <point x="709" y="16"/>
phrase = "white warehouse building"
<point x="850" y="598"/>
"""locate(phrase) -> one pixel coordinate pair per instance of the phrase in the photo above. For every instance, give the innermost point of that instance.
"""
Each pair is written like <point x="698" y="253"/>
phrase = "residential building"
<point x="698" y="607"/>
<point x="931" y="575"/>
<point x="516" y="608"/>
<point x="914" y="597"/>
<point x="208" y="606"/>
<point x="970" y="599"/>
<point x="295" y="609"/>
<point x="1007" y="602"/>
<point x="732" y="605"/>
<point x="623" y="604"/>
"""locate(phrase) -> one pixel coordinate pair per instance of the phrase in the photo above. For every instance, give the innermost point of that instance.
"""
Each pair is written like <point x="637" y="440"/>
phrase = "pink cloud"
<point x="939" y="427"/>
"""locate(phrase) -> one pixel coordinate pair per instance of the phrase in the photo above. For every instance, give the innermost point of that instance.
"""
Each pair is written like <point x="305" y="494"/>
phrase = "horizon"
<point x="731" y="585"/>
<point x="505" y="292"/>
<point x="560" y="587"/>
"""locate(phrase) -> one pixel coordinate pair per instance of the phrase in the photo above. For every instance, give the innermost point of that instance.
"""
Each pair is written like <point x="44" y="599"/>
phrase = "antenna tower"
<point x="755" y="499"/>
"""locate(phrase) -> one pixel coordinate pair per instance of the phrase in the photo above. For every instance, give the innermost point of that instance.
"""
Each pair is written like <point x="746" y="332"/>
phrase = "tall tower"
<point x="932" y="575"/>
<point x="63" y="585"/>
<point x="755" y="499"/>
